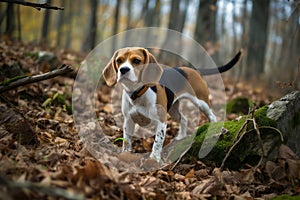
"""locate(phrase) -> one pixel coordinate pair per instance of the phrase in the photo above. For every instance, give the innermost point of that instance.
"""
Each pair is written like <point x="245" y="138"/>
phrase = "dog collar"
<point x="136" y="94"/>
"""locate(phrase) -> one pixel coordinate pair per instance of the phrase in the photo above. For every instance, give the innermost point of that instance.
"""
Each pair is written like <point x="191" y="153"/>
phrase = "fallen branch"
<point x="32" y="79"/>
<point x="37" y="6"/>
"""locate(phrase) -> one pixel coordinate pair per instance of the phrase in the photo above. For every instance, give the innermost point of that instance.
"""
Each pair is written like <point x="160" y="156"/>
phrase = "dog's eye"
<point x="119" y="60"/>
<point x="136" y="61"/>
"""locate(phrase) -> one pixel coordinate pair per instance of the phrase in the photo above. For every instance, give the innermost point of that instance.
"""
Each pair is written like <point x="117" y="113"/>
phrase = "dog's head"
<point x="132" y="64"/>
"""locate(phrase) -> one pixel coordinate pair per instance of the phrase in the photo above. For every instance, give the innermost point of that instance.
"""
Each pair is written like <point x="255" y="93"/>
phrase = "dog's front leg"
<point x="159" y="141"/>
<point x="128" y="131"/>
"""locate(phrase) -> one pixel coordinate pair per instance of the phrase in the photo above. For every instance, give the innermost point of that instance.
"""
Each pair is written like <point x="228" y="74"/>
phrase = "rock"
<point x="286" y="113"/>
<point x="277" y="123"/>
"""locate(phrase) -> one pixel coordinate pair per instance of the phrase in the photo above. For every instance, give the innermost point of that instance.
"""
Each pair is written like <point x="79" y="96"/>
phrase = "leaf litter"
<point x="42" y="156"/>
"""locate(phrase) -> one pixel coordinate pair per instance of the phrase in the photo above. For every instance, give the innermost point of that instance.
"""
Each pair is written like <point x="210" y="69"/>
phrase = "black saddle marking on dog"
<point x="170" y="98"/>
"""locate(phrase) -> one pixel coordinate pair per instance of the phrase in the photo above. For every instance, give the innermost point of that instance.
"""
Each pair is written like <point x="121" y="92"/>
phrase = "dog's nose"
<point x="124" y="70"/>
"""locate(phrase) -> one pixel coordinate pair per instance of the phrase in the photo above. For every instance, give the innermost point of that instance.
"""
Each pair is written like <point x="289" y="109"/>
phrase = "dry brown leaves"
<point x="59" y="167"/>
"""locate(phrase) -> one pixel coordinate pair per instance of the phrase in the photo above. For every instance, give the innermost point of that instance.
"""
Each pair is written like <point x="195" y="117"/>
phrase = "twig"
<point x="275" y="129"/>
<point x="37" y="6"/>
<point x="260" y="142"/>
<point x="256" y="128"/>
<point x="32" y="79"/>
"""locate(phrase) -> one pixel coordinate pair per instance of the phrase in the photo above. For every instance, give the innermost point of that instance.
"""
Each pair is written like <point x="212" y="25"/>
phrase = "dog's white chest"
<point x="141" y="110"/>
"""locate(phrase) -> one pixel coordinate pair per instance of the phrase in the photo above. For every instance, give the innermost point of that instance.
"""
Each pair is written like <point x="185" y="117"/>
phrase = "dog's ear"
<point x="152" y="70"/>
<point x="110" y="71"/>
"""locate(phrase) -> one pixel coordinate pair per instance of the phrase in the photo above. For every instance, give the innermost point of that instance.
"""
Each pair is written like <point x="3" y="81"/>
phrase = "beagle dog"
<point x="150" y="92"/>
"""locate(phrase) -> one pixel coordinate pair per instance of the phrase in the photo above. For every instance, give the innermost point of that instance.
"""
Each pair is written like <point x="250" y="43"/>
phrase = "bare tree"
<point x="289" y="54"/>
<point x="69" y="22"/>
<point x="90" y="39"/>
<point x="60" y="21"/>
<point x="205" y="29"/>
<point x="116" y="24"/>
<point x="46" y="22"/>
<point x="10" y="20"/>
<point x="258" y="38"/>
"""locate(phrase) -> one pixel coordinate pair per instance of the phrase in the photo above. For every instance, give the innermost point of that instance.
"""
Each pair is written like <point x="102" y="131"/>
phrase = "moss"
<point x="238" y="105"/>
<point x="261" y="118"/>
<point x="286" y="197"/>
<point x="209" y="133"/>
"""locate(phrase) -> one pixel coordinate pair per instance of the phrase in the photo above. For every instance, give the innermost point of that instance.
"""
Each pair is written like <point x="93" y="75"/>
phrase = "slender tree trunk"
<point x="174" y="15"/>
<point x="202" y="29"/>
<point x="128" y="22"/>
<point x="258" y="38"/>
<point x="244" y="39"/>
<point x="289" y="55"/>
<point x="183" y="15"/>
<point x="10" y="20"/>
<point x="91" y="35"/>
<point x="129" y="14"/>
<point x="2" y="17"/>
<point x="19" y="23"/>
<point x="69" y="22"/>
<point x="46" y="23"/>
<point x="172" y="41"/>
<point x="60" y="21"/>
<point x="156" y="14"/>
<point x="116" y="24"/>
<point x="151" y="17"/>
<point x="144" y="11"/>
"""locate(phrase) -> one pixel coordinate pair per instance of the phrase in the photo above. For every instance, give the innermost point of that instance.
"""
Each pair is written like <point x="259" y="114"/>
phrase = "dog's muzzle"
<point x="124" y="70"/>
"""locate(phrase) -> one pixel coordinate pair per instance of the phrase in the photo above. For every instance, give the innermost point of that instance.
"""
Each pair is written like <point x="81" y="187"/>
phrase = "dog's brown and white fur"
<point x="145" y="99"/>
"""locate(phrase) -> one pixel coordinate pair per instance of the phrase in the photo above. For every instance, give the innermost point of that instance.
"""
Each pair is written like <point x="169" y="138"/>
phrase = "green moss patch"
<point x="238" y="105"/>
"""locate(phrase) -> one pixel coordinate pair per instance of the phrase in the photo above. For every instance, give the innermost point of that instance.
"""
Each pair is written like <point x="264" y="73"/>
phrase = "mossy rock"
<point x="217" y="138"/>
<point x="238" y="105"/>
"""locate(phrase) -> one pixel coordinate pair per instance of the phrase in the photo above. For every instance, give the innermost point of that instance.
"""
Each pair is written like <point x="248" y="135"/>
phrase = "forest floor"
<point x="49" y="161"/>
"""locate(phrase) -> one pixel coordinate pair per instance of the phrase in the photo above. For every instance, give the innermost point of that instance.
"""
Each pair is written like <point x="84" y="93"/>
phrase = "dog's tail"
<point x="221" y="69"/>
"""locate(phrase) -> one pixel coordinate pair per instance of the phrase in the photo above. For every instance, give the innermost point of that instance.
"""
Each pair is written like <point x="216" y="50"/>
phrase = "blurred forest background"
<point x="267" y="30"/>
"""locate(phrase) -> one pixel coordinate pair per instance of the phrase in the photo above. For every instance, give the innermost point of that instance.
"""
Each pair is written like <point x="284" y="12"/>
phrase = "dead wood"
<point x="63" y="69"/>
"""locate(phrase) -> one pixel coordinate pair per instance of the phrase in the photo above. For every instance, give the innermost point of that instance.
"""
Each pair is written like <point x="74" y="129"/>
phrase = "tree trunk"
<point x="46" y="23"/>
<point x="129" y="14"/>
<point x="19" y="23"/>
<point x="293" y="49"/>
<point x="145" y="11"/>
<point x="173" y="41"/>
<point x="174" y="15"/>
<point x="116" y="25"/>
<point x="90" y="40"/>
<point x="59" y="25"/>
<point x="10" y="20"/>
<point x="128" y="22"/>
<point x="69" y="22"/>
<point x="205" y="29"/>
<point x="258" y="39"/>
<point x="183" y="15"/>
